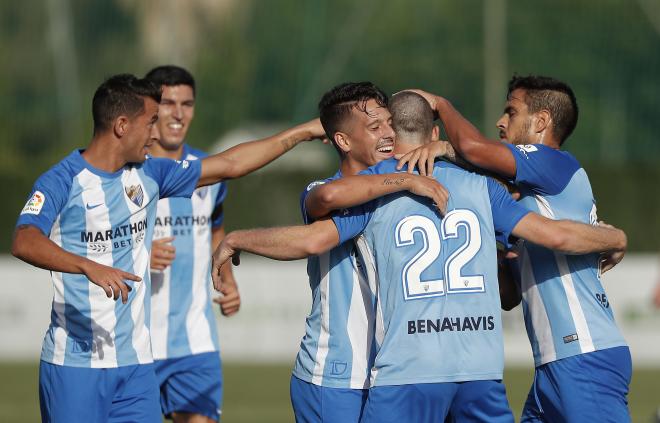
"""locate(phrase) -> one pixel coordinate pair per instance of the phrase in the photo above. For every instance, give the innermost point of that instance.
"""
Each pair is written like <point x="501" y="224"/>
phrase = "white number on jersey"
<point x="413" y="285"/>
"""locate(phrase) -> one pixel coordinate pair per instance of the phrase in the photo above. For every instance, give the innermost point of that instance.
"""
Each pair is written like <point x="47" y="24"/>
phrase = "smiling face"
<point x="368" y="137"/>
<point x="140" y="132"/>
<point x="515" y="125"/>
<point x="176" y="111"/>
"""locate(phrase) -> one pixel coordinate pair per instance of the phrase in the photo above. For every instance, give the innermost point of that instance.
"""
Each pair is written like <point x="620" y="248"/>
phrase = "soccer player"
<point x="583" y="365"/>
<point x="90" y="221"/>
<point x="184" y="335"/>
<point x="331" y="373"/>
<point x="438" y="326"/>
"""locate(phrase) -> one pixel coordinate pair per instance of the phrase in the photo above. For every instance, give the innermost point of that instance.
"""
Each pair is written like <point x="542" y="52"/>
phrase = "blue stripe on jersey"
<point x="76" y="290"/>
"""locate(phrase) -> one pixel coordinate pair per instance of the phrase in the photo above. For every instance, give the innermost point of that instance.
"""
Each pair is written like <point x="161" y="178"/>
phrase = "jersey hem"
<point x="170" y="357"/>
<point x="330" y="382"/>
<point x="437" y="379"/>
<point x="604" y="347"/>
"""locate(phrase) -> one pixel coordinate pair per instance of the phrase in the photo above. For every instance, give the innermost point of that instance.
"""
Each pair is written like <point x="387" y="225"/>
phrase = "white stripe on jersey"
<point x="60" y="336"/>
<point x="539" y="316"/>
<point x="357" y="327"/>
<point x="372" y="276"/>
<point x="324" y="333"/>
<point x="140" y="335"/>
<point x="199" y="333"/>
<point x="160" y="294"/>
<point x="101" y="308"/>
<point x="580" y="322"/>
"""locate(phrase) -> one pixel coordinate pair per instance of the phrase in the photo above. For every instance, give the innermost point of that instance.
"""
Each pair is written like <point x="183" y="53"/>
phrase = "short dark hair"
<point x="543" y="92"/>
<point x="336" y="105"/>
<point x="121" y="95"/>
<point x="412" y="116"/>
<point x="171" y="75"/>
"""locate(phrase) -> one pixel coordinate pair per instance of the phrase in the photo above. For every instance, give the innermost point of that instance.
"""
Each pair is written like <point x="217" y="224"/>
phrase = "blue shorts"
<point x="191" y="384"/>
<point x="83" y="394"/>
<point x="315" y="404"/>
<point x="590" y="387"/>
<point x="473" y="401"/>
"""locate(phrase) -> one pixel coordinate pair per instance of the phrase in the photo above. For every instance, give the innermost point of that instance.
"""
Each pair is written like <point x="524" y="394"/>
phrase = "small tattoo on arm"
<point x="389" y="181"/>
<point x="289" y="143"/>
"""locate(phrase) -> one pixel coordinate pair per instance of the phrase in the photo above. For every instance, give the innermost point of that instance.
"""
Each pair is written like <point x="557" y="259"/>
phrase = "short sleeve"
<point x="218" y="216"/>
<point x="352" y="221"/>
<point x="175" y="178"/>
<point x="543" y="169"/>
<point x="303" y="198"/>
<point x="506" y="212"/>
<point x="47" y="199"/>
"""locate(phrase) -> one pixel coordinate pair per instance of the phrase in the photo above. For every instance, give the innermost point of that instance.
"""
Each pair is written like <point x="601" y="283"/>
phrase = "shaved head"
<point x="412" y="117"/>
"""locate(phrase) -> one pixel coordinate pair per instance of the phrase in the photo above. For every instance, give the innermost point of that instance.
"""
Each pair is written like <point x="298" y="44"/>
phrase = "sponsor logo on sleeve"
<point x="35" y="203"/>
<point x="314" y="184"/>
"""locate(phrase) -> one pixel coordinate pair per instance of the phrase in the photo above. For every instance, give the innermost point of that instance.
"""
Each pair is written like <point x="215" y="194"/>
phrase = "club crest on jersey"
<point x="34" y="204"/>
<point x="135" y="194"/>
<point x="201" y="192"/>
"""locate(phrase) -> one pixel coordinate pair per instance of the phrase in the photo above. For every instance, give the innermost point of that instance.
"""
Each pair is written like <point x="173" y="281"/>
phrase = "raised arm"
<point x="250" y="156"/>
<point x="33" y="247"/>
<point x="471" y="144"/>
<point x="571" y="237"/>
<point x="351" y="191"/>
<point x="282" y="243"/>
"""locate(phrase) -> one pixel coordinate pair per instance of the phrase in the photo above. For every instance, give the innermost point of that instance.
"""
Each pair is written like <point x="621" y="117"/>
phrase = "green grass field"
<point x="260" y="393"/>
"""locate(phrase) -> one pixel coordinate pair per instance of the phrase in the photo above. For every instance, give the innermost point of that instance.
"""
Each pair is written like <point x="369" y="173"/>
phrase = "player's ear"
<point x="120" y="126"/>
<point x="542" y="120"/>
<point x="435" y="133"/>
<point x="342" y="141"/>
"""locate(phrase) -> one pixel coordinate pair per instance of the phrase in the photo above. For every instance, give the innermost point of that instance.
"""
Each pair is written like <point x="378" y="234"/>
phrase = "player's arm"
<point x="570" y="237"/>
<point x="282" y="243"/>
<point x="33" y="247"/>
<point x="230" y="302"/>
<point x="250" y="156"/>
<point x="468" y="142"/>
<point x="351" y="191"/>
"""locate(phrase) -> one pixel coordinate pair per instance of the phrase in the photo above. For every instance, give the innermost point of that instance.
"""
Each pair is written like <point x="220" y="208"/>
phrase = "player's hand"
<point x="313" y="130"/>
<point x="423" y="158"/>
<point x="110" y="279"/>
<point x="430" y="188"/>
<point x="162" y="253"/>
<point x="220" y="257"/>
<point x="611" y="259"/>
<point x="230" y="301"/>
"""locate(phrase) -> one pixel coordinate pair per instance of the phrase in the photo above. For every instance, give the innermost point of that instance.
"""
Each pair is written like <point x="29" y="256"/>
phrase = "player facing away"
<point x="331" y="373"/>
<point x="184" y="336"/>
<point x="583" y="365"/>
<point x="438" y="326"/>
<point x="90" y="221"/>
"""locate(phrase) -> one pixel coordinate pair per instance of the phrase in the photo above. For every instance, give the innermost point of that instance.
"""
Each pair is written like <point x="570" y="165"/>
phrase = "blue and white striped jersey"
<point x="438" y="311"/>
<point x="564" y="304"/>
<point x="107" y="218"/>
<point x="337" y="350"/>
<point x="182" y="319"/>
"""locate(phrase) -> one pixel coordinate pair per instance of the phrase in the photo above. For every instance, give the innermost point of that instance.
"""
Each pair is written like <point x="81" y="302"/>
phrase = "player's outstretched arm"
<point x="351" y="191"/>
<point x="570" y="237"/>
<point x="468" y="142"/>
<point x="33" y="247"/>
<point x="282" y="243"/>
<point x="250" y="156"/>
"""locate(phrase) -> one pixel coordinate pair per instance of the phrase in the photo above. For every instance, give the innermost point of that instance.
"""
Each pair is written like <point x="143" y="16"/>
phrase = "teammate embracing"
<point x="583" y="366"/>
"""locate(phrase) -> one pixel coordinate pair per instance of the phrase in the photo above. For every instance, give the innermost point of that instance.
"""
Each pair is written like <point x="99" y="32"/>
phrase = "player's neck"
<point x="351" y="167"/>
<point x="104" y="153"/>
<point x="157" y="150"/>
